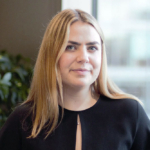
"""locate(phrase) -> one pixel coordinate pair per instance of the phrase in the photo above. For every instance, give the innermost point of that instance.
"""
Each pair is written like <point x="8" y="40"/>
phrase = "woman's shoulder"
<point x="23" y="108"/>
<point x="17" y="116"/>
<point x="21" y="111"/>
<point x="123" y="102"/>
<point x="130" y="114"/>
<point x="124" y="106"/>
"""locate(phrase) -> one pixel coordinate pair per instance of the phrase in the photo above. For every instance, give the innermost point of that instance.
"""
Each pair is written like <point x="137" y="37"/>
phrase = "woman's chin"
<point x="78" y="85"/>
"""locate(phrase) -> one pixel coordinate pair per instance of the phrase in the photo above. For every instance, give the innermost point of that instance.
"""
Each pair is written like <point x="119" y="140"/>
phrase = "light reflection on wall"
<point x="85" y="5"/>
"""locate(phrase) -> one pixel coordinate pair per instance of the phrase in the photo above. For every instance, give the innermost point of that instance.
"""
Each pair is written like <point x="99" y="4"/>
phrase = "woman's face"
<point x="80" y="63"/>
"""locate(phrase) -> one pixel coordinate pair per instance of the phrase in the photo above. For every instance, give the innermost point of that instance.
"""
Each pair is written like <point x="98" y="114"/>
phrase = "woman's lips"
<point x="81" y="71"/>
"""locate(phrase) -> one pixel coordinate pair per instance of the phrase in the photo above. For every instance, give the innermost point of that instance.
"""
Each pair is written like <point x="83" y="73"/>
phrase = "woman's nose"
<point x="83" y="55"/>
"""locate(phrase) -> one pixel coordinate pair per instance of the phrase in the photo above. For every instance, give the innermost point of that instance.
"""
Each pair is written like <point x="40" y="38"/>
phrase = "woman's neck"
<point x="78" y="99"/>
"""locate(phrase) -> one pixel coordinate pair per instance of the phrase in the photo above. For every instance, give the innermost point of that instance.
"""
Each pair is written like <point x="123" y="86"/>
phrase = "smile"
<point x="80" y="71"/>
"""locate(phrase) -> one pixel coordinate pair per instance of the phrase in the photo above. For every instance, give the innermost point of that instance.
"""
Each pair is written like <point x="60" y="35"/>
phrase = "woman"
<point x="72" y="104"/>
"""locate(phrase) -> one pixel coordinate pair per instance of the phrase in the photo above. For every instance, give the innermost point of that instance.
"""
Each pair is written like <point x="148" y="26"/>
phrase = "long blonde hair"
<point x="46" y="88"/>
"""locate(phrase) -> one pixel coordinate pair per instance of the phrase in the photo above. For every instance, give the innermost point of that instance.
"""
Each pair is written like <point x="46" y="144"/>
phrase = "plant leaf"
<point x="7" y="76"/>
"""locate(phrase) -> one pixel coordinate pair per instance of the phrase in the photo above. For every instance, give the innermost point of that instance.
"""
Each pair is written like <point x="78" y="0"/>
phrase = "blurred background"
<point x="126" y="26"/>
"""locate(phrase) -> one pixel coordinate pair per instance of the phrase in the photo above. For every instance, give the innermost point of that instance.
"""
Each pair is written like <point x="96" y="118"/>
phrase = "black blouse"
<point x="108" y="125"/>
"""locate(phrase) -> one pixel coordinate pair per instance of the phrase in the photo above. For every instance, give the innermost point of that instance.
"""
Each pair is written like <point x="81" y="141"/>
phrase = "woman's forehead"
<point x="81" y="31"/>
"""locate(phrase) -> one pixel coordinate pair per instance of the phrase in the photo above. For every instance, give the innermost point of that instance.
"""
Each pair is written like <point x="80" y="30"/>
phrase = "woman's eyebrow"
<point x="93" y="43"/>
<point x="90" y="43"/>
<point x="72" y="42"/>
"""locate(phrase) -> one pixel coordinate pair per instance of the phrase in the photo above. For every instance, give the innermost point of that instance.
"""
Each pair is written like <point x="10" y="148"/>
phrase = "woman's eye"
<point x="70" y="47"/>
<point x="93" y="48"/>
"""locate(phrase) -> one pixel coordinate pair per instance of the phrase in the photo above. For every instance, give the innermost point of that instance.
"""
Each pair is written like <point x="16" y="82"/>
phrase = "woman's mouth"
<point x="81" y="71"/>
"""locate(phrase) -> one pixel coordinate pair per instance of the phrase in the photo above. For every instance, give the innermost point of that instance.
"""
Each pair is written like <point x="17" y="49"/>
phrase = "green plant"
<point x="15" y="76"/>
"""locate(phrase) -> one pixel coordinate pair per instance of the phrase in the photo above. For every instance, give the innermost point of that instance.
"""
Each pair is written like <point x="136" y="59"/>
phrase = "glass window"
<point x="126" y="26"/>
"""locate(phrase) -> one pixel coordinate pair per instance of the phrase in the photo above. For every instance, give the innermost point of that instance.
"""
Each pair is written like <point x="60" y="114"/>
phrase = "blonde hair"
<point x="46" y="88"/>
